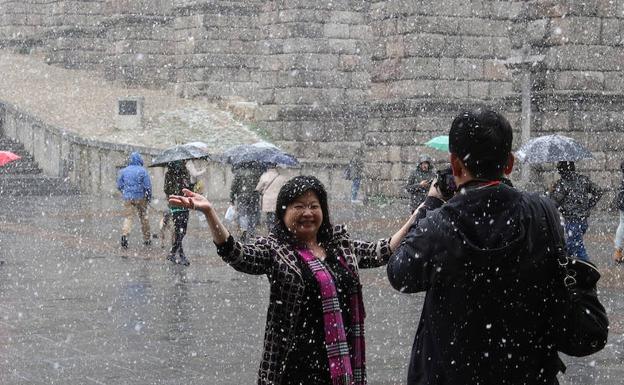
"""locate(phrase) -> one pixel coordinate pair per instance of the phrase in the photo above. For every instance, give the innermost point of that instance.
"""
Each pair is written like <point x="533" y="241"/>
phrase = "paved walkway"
<point x="75" y="309"/>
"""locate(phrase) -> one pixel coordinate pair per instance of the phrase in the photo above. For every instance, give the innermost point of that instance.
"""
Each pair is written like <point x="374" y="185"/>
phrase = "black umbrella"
<point x="261" y="153"/>
<point x="552" y="148"/>
<point x="194" y="150"/>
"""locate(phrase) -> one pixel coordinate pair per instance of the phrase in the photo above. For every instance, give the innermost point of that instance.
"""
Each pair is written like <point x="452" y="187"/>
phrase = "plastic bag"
<point x="230" y="214"/>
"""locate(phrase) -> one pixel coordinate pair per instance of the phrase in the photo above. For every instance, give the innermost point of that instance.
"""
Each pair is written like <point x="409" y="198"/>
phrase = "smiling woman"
<point x="315" y="322"/>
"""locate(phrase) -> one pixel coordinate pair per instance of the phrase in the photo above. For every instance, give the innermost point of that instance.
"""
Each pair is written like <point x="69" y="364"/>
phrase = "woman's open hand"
<point x="190" y="200"/>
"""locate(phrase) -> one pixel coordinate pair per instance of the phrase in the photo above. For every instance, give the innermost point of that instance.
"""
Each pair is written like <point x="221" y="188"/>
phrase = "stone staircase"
<point x="24" y="177"/>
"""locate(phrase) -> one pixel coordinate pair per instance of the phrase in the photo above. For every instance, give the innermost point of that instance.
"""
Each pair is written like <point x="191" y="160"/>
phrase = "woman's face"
<point x="303" y="217"/>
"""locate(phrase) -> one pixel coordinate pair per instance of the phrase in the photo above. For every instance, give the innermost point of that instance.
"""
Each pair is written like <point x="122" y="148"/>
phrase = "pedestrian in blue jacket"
<point x="134" y="183"/>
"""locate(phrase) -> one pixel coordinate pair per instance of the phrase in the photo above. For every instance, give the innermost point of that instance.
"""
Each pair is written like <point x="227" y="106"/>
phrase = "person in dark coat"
<point x="178" y="178"/>
<point x="575" y="195"/>
<point x="314" y="330"/>
<point x="355" y="172"/>
<point x="482" y="259"/>
<point x="619" y="234"/>
<point x="134" y="183"/>
<point x="419" y="181"/>
<point x="244" y="196"/>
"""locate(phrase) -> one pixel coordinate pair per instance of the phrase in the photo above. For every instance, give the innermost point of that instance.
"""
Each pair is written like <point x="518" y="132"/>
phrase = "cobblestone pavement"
<point x="75" y="309"/>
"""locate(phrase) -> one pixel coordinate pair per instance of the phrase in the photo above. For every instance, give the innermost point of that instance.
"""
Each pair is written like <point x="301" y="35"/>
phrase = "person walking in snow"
<point x="575" y="195"/>
<point x="135" y="186"/>
<point x="269" y="186"/>
<point x="177" y="178"/>
<point x="244" y="196"/>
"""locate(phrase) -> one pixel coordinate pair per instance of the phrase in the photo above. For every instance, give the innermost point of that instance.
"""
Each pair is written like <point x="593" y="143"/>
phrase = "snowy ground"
<point x="85" y="103"/>
<point x="75" y="309"/>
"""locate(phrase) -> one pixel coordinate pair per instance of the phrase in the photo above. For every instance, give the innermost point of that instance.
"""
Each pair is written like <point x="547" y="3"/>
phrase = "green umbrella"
<point x="439" y="143"/>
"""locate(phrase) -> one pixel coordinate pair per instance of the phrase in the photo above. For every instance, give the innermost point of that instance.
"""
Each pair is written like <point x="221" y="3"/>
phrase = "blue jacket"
<point x="133" y="181"/>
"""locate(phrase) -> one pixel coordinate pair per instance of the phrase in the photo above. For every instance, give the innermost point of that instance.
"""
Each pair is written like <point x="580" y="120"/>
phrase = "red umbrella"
<point x="7" y="157"/>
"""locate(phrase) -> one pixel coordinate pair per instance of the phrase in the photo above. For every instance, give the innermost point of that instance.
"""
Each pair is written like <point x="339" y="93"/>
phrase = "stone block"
<point x="610" y="8"/>
<point x="360" y="31"/>
<point x="383" y="28"/>
<point x="349" y="63"/>
<point x="583" y="7"/>
<point x="612" y="161"/>
<point x="614" y="81"/>
<point x="495" y="70"/>
<point x="302" y="15"/>
<point x="412" y="88"/>
<point x="447" y="68"/>
<point x="343" y="46"/>
<point x="435" y="124"/>
<point x="360" y="80"/>
<point x="425" y="45"/>
<point x="478" y="89"/>
<point x="420" y="68"/>
<point x="385" y="70"/>
<point x="575" y="80"/>
<point x="347" y="17"/>
<point x="612" y="32"/>
<point x="380" y="91"/>
<point x="395" y="47"/>
<point x="482" y="27"/>
<point x="451" y="89"/>
<point x="500" y="89"/>
<point x="477" y="47"/>
<point x="458" y="8"/>
<point x="588" y="121"/>
<point x="468" y="69"/>
<point x="588" y="58"/>
<point x="552" y="122"/>
<point x="428" y="24"/>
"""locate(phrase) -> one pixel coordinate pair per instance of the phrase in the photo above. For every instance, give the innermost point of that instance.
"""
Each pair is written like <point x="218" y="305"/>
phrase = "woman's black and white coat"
<point x="282" y="265"/>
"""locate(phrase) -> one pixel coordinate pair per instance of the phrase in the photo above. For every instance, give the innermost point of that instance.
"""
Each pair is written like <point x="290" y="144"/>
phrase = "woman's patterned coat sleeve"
<point x="251" y="258"/>
<point x="372" y="254"/>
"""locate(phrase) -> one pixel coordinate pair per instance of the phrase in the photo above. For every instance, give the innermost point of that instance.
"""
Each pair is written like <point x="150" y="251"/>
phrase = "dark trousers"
<point x="180" y="221"/>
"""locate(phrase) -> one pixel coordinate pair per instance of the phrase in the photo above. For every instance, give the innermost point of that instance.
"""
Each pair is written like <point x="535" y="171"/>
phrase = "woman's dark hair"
<point x="292" y="190"/>
<point x="482" y="140"/>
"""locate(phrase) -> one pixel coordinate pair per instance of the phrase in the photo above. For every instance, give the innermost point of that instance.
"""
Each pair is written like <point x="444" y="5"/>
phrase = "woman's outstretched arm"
<point x="195" y="201"/>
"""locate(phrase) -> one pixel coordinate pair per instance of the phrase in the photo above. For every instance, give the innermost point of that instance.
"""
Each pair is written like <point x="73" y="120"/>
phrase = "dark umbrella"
<point x="194" y="150"/>
<point x="552" y="148"/>
<point x="261" y="152"/>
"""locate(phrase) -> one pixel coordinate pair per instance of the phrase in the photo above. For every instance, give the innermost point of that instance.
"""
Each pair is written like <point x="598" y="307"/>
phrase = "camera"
<point x="446" y="183"/>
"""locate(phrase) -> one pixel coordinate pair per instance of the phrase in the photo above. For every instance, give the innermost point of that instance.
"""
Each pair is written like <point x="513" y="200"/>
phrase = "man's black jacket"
<point x="491" y="290"/>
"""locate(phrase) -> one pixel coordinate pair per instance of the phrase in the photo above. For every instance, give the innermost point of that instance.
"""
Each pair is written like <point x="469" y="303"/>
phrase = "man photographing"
<point x="482" y="258"/>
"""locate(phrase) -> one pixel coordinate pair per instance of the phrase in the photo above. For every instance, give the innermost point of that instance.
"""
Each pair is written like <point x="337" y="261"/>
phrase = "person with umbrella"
<point x="244" y="196"/>
<point x="314" y="330"/>
<point x="575" y="195"/>
<point x="177" y="178"/>
<point x="419" y="182"/>
<point x="135" y="186"/>
<point x="269" y="186"/>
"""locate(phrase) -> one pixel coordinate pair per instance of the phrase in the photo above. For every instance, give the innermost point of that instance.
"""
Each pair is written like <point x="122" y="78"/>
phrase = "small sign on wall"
<point x="130" y="112"/>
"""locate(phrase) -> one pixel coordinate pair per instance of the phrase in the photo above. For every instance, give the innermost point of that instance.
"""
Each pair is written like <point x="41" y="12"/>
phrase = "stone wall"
<point x="217" y="49"/>
<point x="317" y="75"/>
<point x="329" y="77"/>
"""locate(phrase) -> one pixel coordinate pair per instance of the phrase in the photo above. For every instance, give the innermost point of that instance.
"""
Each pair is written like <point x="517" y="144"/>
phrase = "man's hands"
<point x="424" y="183"/>
<point x="191" y="200"/>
